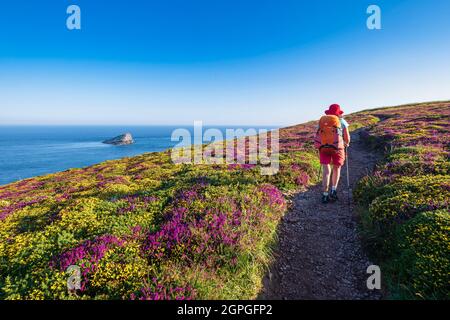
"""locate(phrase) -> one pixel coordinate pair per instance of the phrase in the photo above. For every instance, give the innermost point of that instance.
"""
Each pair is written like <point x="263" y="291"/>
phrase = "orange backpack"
<point x="329" y="135"/>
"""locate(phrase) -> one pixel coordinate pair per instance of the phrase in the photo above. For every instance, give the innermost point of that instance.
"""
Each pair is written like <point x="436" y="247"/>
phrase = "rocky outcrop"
<point x="121" y="140"/>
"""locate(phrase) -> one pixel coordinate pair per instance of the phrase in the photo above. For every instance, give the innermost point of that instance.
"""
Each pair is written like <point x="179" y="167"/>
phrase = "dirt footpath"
<point x="320" y="254"/>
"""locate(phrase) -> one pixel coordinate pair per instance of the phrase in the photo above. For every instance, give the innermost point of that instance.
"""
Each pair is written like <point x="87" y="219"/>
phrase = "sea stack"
<point x="121" y="140"/>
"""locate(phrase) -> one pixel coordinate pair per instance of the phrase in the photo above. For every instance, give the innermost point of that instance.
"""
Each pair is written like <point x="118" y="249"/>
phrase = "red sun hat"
<point x="334" y="109"/>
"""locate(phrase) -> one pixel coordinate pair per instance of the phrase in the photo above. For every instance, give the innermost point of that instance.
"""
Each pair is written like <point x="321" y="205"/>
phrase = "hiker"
<point x="332" y="139"/>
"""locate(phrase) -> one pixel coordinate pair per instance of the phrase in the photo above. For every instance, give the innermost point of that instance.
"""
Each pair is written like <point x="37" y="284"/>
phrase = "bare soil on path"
<point x="320" y="254"/>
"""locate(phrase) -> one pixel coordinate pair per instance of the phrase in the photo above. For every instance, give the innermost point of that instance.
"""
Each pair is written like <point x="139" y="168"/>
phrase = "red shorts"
<point x="336" y="157"/>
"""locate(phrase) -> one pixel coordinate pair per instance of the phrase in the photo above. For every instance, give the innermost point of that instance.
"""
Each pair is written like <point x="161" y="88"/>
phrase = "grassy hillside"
<point x="405" y="203"/>
<point x="144" y="228"/>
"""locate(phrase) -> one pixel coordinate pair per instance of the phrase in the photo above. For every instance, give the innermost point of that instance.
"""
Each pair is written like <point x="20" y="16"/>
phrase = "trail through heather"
<point x="320" y="255"/>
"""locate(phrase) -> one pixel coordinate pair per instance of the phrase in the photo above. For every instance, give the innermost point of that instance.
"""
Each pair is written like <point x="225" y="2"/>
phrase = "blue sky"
<point x="219" y="61"/>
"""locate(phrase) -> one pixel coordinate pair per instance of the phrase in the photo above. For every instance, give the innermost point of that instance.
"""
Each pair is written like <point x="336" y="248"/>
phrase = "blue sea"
<point x="29" y="151"/>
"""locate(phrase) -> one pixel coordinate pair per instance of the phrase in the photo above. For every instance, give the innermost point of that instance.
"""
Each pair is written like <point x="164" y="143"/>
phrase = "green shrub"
<point x="369" y="188"/>
<point x="421" y="268"/>
<point x="407" y="196"/>
<point x="418" y="160"/>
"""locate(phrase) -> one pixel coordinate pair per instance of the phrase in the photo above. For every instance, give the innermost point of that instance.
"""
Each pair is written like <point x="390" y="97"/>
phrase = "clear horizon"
<point x="225" y="63"/>
<point x="247" y="125"/>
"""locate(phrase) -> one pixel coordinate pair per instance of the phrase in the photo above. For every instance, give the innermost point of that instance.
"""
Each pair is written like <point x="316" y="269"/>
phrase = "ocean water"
<point x="29" y="151"/>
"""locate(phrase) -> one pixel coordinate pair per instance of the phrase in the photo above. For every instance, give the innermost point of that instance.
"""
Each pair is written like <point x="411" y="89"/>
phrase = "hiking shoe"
<point x="325" y="198"/>
<point x="333" y="195"/>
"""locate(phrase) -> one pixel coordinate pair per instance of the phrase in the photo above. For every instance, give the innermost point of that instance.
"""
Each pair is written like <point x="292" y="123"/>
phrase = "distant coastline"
<point x="30" y="151"/>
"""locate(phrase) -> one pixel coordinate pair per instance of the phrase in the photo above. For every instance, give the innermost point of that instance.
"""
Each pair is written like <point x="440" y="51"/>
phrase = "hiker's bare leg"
<point x="335" y="177"/>
<point x="326" y="177"/>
